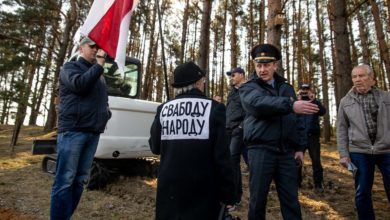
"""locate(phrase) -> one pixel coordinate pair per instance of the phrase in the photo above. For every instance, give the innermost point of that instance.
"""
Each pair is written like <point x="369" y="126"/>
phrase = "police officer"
<point x="195" y="173"/>
<point x="234" y="120"/>
<point x="273" y="134"/>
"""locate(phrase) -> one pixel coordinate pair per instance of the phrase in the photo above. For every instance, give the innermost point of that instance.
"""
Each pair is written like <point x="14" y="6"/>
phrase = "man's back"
<point x="194" y="156"/>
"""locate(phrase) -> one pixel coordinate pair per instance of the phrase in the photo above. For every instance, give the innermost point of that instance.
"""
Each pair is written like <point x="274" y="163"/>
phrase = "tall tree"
<point x="363" y="36"/>
<point x="204" y="42"/>
<point x="233" y="34"/>
<point x="274" y="30"/>
<point x="324" y="76"/>
<point x="262" y="24"/>
<point x="184" y="31"/>
<point x="70" y="21"/>
<point x="148" y="76"/>
<point x="342" y="49"/>
<point x="383" y="48"/>
<point x="299" y="43"/>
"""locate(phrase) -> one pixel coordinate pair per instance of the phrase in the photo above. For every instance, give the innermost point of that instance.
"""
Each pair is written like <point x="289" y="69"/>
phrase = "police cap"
<point x="265" y="53"/>
<point x="187" y="73"/>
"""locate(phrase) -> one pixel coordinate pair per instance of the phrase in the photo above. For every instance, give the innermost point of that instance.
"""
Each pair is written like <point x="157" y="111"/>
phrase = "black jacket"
<point x="270" y="121"/>
<point x="235" y="114"/>
<point x="83" y="97"/>
<point x="312" y="122"/>
<point x="195" y="172"/>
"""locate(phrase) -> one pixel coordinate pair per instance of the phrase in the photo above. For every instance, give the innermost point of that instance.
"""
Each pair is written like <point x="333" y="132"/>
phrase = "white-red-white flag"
<point x="108" y="24"/>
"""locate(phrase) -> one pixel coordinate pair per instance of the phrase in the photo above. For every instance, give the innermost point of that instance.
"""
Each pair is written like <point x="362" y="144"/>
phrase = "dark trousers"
<point x="314" y="147"/>
<point x="364" y="180"/>
<point x="265" y="166"/>
<point x="236" y="146"/>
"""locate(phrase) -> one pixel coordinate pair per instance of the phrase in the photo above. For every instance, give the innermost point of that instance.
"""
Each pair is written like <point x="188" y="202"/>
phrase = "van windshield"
<point x="121" y="84"/>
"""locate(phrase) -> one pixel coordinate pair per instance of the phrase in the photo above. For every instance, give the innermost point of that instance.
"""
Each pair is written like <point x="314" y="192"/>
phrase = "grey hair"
<point x="181" y="90"/>
<point x="366" y="67"/>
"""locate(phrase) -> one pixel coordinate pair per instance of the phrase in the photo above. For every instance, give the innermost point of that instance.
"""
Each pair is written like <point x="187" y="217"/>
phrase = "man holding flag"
<point x="83" y="108"/>
<point x="82" y="115"/>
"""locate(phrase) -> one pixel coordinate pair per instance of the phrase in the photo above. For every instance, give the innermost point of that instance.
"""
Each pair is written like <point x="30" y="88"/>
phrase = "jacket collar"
<point x="85" y="62"/>
<point x="352" y="93"/>
<point x="193" y="91"/>
<point x="278" y="79"/>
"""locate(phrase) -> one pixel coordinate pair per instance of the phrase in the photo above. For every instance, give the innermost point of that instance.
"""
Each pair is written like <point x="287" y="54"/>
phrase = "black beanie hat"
<point x="187" y="73"/>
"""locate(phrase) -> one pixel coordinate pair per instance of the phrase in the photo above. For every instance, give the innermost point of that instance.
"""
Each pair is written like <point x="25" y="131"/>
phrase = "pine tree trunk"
<point x="65" y="39"/>
<point x="333" y="50"/>
<point x="184" y="32"/>
<point x="366" y="57"/>
<point x="274" y="31"/>
<point x="354" y="55"/>
<point x="294" y="42"/>
<point x="383" y="48"/>
<point x="148" y="80"/>
<point x="34" y="101"/>
<point x="310" y="73"/>
<point x="324" y="76"/>
<point x="28" y="76"/>
<point x="44" y="81"/>
<point x="205" y="37"/>
<point x="223" y="37"/>
<point x="262" y="25"/>
<point x="233" y="35"/>
<point x="204" y="45"/>
<point x="342" y="49"/>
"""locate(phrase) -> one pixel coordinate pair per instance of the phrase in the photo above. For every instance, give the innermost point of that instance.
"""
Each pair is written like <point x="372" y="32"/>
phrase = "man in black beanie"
<point x="273" y="134"/>
<point x="195" y="174"/>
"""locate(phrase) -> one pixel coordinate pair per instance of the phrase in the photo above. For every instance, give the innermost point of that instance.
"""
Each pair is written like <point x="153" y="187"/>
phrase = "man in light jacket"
<point x="363" y="136"/>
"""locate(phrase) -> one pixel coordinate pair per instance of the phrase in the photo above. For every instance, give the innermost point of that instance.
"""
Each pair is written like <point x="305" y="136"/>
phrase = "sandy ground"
<point x="25" y="190"/>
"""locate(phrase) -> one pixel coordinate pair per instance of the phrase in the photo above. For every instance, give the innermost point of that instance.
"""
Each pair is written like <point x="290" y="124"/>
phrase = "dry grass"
<point x="25" y="190"/>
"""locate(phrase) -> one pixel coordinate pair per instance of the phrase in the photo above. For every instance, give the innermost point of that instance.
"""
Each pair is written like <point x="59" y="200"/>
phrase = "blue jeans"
<point x="364" y="180"/>
<point x="75" y="155"/>
<point x="267" y="165"/>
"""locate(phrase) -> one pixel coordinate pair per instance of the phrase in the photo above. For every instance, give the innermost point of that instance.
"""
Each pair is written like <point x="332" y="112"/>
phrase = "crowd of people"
<point x="264" y="121"/>
<point x="270" y="126"/>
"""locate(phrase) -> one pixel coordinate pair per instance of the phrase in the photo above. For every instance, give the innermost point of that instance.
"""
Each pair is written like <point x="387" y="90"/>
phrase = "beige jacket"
<point x="352" y="134"/>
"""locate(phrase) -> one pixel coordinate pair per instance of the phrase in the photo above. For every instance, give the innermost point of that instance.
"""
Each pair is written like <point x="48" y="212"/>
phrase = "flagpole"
<point x="162" y="49"/>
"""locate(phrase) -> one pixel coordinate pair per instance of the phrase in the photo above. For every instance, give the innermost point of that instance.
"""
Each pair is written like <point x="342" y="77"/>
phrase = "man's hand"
<point x="344" y="161"/>
<point x="299" y="156"/>
<point x="101" y="57"/>
<point x="305" y="107"/>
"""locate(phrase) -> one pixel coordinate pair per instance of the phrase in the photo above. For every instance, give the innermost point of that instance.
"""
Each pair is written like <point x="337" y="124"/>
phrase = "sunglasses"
<point x="93" y="46"/>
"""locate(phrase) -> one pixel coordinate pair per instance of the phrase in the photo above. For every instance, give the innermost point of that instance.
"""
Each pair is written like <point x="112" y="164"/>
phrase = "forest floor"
<point x="25" y="189"/>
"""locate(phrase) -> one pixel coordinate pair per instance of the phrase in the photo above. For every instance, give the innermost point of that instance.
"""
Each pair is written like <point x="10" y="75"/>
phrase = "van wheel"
<point x="100" y="176"/>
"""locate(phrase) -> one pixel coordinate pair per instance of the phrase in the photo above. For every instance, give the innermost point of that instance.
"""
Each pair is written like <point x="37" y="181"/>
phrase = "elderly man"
<point x="195" y="174"/>
<point x="83" y="115"/>
<point x="273" y="134"/>
<point x="363" y="136"/>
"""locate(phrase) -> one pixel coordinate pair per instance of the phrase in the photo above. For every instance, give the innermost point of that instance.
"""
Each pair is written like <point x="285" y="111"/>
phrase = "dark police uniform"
<point x="271" y="135"/>
<point x="195" y="173"/>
